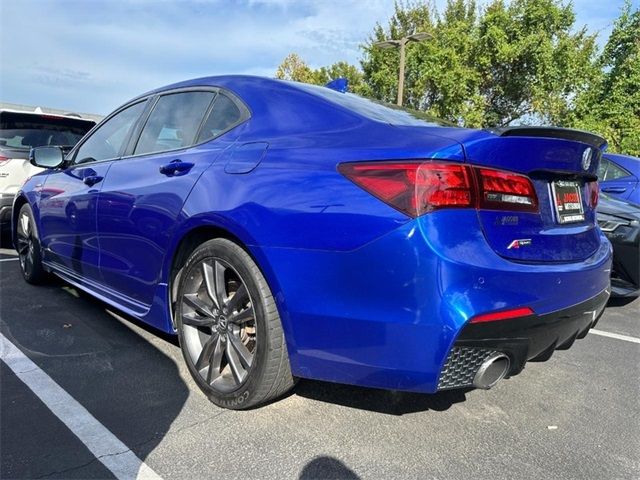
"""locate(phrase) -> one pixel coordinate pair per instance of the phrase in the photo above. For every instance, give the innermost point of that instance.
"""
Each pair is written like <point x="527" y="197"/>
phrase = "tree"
<point x="611" y="106"/>
<point x="295" y="68"/>
<point x="509" y="63"/>
<point x="344" y="70"/>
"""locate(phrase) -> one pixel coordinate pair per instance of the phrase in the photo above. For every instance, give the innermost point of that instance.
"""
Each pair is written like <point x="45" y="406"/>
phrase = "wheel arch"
<point x="190" y="237"/>
<point x="19" y="201"/>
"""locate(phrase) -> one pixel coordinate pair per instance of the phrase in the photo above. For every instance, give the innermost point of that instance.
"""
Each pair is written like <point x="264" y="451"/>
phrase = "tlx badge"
<point x="522" y="242"/>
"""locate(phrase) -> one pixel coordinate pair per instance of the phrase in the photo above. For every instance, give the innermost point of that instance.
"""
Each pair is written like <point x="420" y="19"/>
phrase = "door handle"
<point x="91" y="180"/>
<point x="614" y="189"/>
<point x="176" y="166"/>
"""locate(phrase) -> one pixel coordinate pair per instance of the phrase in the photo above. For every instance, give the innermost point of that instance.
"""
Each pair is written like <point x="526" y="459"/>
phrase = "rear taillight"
<point x="500" y="190"/>
<point x="412" y="187"/>
<point x="593" y="190"/>
<point x="4" y="160"/>
<point x="416" y="188"/>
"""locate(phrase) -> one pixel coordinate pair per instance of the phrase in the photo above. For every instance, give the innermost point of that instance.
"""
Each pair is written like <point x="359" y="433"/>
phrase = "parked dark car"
<point x="287" y="230"/>
<point x="620" y="222"/>
<point x="619" y="176"/>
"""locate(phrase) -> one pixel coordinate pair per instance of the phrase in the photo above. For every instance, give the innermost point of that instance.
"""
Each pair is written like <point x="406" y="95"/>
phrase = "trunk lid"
<point x="560" y="164"/>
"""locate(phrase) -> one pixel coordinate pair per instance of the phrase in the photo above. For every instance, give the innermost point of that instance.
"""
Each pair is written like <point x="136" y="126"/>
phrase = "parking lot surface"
<point x="574" y="416"/>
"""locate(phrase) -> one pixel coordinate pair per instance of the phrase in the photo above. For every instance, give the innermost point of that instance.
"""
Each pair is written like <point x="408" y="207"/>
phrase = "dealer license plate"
<point x="567" y="199"/>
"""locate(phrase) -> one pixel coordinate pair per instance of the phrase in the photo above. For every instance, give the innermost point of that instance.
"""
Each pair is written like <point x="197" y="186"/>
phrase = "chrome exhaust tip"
<point x="492" y="370"/>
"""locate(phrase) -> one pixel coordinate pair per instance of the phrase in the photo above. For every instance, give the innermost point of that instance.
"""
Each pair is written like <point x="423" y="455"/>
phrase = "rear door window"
<point x="174" y="122"/>
<point x="614" y="172"/>
<point x="608" y="170"/>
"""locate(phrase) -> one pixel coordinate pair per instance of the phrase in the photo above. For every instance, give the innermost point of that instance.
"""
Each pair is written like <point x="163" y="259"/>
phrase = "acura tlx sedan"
<point x="285" y="230"/>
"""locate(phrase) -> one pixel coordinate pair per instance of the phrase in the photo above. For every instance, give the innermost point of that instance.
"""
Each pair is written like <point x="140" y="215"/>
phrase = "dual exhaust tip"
<point x="492" y="370"/>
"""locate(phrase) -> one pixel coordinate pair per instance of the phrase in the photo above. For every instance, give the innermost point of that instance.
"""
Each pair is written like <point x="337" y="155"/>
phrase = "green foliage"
<point x="507" y="63"/>
<point x="611" y="106"/>
<point x="296" y="69"/>
<point x="510" y="62"/>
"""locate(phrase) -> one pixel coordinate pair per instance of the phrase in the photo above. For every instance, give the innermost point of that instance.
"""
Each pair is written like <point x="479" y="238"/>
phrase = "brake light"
<point x="503" y="315"/>
<point x="416" y="188"/>
<point x="593" y="189"/>
<point x="500" y="189"/>
<point x="4" y="160"/>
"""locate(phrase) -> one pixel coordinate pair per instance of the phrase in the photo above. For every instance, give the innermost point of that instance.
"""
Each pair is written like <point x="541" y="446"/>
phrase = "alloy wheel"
<point x="219" y="324"/>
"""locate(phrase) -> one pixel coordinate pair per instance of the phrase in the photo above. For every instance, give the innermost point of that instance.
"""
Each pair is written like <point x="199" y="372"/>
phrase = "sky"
<point x="91" y="56"/>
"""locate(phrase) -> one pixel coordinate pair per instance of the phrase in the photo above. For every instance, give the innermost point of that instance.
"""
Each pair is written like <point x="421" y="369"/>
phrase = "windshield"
<point x="376" y="110"/>
<point x="23" y="131"/>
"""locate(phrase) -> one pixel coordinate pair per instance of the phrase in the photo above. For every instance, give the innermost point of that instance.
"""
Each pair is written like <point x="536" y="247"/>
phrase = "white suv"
<point x="19" y="131"/>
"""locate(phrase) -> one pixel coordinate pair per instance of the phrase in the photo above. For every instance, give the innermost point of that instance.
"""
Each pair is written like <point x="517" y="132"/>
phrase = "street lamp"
<point x="416" y="37"/>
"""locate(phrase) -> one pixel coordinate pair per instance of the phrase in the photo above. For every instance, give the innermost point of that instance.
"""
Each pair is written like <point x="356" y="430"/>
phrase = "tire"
<point x="28" y="246"/>
<point x="229" y="328"/>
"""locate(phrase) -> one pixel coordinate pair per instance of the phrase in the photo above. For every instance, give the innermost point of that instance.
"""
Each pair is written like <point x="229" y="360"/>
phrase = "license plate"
<point x="568" y="201"/>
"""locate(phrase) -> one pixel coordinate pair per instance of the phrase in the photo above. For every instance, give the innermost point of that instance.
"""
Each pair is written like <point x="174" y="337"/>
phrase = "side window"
<point x="614" y="172"/>
<point x="223" y="115"/>
<point x="174" y="122"/>
<point x="602" y="169"/>
<point x="108" y="140"/>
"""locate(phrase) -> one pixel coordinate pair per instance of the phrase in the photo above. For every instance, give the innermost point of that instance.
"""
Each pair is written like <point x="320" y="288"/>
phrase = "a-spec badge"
<point x="521" y="242"/>
<point x="587" y="155"/>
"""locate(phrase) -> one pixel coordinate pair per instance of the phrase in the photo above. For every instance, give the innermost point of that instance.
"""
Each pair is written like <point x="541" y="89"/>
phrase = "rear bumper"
<point x="388" y="314"/>
<point x="534" y="337"/>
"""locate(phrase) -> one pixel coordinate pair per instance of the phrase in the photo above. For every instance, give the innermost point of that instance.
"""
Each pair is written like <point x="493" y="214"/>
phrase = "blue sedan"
<point x="619" y="176"/>
<point x="284" y="230"/>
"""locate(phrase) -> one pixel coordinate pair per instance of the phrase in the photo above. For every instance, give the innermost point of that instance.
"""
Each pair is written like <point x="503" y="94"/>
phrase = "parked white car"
<point x="19" y="131"/>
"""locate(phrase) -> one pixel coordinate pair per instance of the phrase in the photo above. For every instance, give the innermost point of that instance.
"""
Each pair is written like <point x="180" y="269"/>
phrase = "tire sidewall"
<point x="246" y="392"/>
<point x="36" y="274"/>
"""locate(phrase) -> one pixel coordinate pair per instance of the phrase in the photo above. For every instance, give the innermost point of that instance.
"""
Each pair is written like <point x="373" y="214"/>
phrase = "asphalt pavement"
<point x="574" y="416"/>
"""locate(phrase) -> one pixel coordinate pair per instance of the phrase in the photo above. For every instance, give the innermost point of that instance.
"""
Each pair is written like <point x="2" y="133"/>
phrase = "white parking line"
<point x="106" y="447"/>
<point x="626" y="338"/>
<point x="8" y="259"/>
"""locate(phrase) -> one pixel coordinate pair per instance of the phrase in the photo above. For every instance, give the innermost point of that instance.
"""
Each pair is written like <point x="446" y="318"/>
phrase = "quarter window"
<point x="224" y="114"/>
<point x="174" y="122"/>
<point x="107" y="141"/>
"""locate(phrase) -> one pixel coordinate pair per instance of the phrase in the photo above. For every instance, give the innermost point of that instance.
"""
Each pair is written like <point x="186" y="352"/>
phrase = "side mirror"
<point x="46" y="157"/>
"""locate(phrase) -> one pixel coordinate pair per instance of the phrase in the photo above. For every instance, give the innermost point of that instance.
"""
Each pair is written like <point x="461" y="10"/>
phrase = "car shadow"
<point x="388" y="402"/>
<point x="327" y="468"/>
<point x="620" y="301"/>
<point x="129" y="385"/>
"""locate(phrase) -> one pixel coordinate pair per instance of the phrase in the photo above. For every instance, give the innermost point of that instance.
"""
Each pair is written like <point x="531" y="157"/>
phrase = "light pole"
<point x="416" y="37"/>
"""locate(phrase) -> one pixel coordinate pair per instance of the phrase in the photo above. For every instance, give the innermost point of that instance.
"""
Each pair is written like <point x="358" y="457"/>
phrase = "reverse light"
<point x="503" y="315"/>
<point x="417" y="187"/>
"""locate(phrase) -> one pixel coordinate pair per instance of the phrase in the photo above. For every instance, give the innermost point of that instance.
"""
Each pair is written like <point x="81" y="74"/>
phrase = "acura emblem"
<point x="586" y="158"/>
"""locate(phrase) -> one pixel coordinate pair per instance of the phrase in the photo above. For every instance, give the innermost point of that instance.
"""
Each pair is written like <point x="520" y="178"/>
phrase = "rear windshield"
<point x="376" y="110"/>
<point x="23" y="130"/>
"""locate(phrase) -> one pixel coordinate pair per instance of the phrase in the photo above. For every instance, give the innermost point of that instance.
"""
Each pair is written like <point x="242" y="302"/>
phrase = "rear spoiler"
<point x="552" y="132"/>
